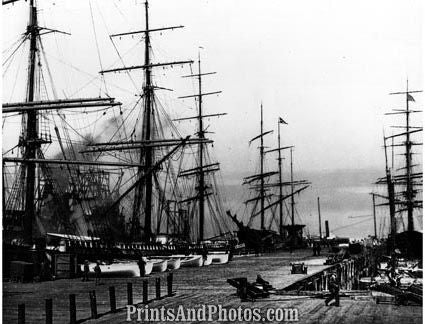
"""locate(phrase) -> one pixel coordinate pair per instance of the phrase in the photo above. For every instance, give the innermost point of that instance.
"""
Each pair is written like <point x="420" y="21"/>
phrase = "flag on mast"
<point x="281" y="121"/>
<point x="410" y="98"/>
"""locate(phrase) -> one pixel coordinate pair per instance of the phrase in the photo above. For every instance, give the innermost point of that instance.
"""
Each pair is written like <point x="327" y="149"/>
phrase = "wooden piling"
<point x="129" y="293"/>
<point x="93" y="304"/>
<point x="170" y="284"/>
<point x="72" y="309"/>
<point x="326" y="280"/>
<point x="112" y="299"/>
<point x="21" y="314"/>
<point x="145" y="291"/>
<point x="338" y="274"/>
<point x="243" y="290"/>
<point x="158" y="288"/>
<point x="49" y="311"/>
<point x="347" y="278"/>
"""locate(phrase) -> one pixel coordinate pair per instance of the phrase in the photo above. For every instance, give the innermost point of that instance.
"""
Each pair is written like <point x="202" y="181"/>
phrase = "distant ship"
<point x="403" y="183"/>
<point x="288" y="236"/>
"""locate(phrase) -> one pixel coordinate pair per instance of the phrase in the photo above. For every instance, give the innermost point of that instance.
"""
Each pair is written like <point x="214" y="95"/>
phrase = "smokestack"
<point x="327" y="228"/>
<point x="320" y="219"/>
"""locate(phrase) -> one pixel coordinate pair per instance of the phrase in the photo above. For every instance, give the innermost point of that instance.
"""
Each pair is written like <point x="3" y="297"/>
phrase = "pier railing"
<point x="348" y="274"/>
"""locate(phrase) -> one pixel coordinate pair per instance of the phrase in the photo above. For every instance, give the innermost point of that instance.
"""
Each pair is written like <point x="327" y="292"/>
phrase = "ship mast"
<point x="391" y="198"/>
<point x="260" y="185"/>
<point x="409" y="193"/>
<point x="409" y="189"/>
<point x="144" y="189"/>
<point x="280" y="184"/>
<point x="292" y="195"/>
<point x="146" y="153"/>
<point x="374" y="216"/>
<point x="280" y="181"/>
<point x="31" y="135"/>
<point x="262" y="191"/>
<point x="202" y="168"/>
<point x="148" y="93"/>
<point x="320" y="218"/>
<point x="201" y="134"/>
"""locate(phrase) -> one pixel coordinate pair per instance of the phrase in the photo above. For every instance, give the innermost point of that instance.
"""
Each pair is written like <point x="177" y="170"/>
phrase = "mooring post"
<point x="355" y="274"/>
<point x="145" y="291"/>
<point x="21" y="314"/>
<point x="93" y="304"/>
<point x="129" y="293"/>
<point x="170" y="284"/>
<point x="49" y="311"/>
<point x="112" y="299"/>
<point x="325" y="280"/>
<point x="243" y="289"/>
<point x="347" y="278"/>
<point x="348" y="270"/>
<point x="158" y="288"/>
<point x="347" y="274"/>
<point x="72" y="309"/>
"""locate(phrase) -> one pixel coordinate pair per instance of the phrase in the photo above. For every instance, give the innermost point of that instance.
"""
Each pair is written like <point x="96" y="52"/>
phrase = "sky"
<point x="326" y="67"/>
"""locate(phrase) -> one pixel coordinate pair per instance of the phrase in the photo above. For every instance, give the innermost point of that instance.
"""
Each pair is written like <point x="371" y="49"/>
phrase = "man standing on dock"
<point x="97" y="272"/>
<point x="334" y="290"/>
<point x="86" y="271"/>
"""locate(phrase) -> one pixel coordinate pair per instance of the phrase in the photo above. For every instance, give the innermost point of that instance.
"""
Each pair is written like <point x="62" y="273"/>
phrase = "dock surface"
<point x="197" y="286"/>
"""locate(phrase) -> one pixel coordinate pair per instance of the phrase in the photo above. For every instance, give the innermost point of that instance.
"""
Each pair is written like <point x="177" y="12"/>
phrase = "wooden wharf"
<point x="194" y="287"/>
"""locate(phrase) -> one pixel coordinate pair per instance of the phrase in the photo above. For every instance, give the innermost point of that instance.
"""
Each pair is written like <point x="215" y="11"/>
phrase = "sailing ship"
<point x="35" y="199"/>
<point x="107" y="196"/>
<point x="265" y="238"/>
<point x="207" y="197"/>
<point x="403" y="181"/>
